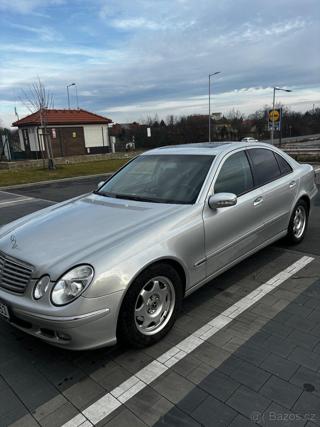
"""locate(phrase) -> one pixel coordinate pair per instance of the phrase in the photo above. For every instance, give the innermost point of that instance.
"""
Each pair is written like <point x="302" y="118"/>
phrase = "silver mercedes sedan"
<point x="116" y="264"/>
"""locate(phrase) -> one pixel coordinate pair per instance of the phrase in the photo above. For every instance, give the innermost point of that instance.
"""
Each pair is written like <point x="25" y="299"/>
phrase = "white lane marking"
<point x="16" y="201"/>
<point x="21" y="199"/>
<point x="78" y="420"/>
<point x="36" y="199"/>
<point x="6" y="193"/>
<point x="129" y="388"/>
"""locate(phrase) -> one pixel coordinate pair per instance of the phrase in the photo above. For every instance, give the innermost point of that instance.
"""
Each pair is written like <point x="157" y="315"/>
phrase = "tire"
<point x="157" y="290"/>
<point x="298" y="223"/>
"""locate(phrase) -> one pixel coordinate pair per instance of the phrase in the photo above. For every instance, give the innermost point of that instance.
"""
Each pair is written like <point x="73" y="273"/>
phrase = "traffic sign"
<point x="274" y="119"/>
<point x="274" y="115"/>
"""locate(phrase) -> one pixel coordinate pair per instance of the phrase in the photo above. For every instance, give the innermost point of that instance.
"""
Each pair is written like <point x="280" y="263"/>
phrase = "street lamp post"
<point x="273" y="107"/>
<point x="71" y="84"/>
<point x="77" y="97"/>
<point x="209" y="119"/>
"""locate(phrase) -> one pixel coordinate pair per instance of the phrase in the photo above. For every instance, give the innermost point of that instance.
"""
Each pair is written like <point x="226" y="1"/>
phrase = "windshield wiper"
<point x="137" y="198"/>
<point x="101" y="193"/>
<point x="127" y="197"/>
<point x="140" y="199"/>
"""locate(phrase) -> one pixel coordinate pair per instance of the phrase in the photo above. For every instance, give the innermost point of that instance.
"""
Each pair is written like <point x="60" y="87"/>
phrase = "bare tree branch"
<point x="37" y="97"/>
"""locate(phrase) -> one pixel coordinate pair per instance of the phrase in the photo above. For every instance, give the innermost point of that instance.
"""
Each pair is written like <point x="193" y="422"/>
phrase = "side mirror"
<point x="222" y="200"/>
<point x="100" y="184"/>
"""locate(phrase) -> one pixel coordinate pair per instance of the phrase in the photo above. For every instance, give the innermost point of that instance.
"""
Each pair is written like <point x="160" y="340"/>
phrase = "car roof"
<point x="204" y="148"/>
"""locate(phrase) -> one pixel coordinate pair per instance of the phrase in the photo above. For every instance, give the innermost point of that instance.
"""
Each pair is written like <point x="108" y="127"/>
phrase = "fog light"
<point x="41" y="287"/>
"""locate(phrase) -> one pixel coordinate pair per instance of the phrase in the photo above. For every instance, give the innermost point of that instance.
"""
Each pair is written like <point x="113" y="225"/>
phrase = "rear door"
<point x="278" y="184"/>
<point x="233" y="231"/>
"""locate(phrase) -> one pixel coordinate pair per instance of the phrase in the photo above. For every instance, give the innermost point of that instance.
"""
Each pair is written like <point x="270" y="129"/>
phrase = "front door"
<point x="68" y="141"/>
<point x="233" y="231"/>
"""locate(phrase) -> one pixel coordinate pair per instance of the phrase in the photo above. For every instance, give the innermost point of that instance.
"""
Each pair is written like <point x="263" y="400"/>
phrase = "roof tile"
<point x="62" y="117"/>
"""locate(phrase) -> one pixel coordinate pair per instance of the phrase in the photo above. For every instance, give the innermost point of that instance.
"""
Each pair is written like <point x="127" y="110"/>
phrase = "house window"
<point x="26" y="141"/>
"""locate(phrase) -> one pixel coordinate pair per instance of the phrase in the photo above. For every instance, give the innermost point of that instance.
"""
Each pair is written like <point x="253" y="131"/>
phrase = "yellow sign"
<point x="274" y="115"/>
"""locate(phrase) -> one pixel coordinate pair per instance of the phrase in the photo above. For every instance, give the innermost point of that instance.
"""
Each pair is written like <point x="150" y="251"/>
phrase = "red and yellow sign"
<point x="274" y="115"/>
<point x="274" y="119"/>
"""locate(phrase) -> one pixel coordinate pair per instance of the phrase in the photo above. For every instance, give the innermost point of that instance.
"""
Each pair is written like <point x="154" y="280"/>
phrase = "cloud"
<point x="43" y="32"/>
<point x="247" y="100"/>
<point x="136" y="23"/>
<point x="254" y="33"/>
<point x="26" y="6"/>
<point x="66" y="50"/>
<point x="148" y="24"/>
<point x="132" y="58"/>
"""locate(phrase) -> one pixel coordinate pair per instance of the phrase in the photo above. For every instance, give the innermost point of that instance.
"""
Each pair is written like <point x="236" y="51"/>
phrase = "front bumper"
<point x="94" y="327"/>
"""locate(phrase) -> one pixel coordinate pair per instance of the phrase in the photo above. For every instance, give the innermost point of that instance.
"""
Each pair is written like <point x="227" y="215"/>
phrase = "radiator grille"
<point x="14" y="274"/>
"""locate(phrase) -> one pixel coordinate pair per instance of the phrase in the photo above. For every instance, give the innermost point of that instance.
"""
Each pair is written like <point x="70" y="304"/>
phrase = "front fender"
<point x="120" y="276"/>
<point x="181" y="240"/>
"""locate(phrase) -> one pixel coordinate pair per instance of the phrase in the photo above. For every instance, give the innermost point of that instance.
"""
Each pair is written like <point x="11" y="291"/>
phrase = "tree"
<point x="38" y="99"/>
<point x="234" y="114"/>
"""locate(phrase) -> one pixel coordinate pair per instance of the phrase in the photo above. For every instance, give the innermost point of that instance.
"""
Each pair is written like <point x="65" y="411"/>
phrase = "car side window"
<point x="265" y="165"/>
<point x="284" y="166"/>
<point x="235" y="175"/>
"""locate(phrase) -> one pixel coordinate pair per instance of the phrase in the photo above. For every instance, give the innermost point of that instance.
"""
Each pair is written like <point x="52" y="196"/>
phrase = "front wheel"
<point x="150" y="306"/>
<point x="298" y="223"/>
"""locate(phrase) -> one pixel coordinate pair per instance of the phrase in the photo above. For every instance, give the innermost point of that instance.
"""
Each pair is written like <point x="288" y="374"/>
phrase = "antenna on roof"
<point x="16" y="113"/>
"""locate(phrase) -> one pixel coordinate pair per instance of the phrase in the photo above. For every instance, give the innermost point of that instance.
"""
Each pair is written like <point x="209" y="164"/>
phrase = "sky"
<point x="133" y="59"/>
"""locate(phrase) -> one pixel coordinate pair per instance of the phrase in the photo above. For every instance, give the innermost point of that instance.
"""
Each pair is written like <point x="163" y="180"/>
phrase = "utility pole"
<point x="77" y="96"/>
<point x="71" y="84"/>
<point x="273" y="105"/>
<point x="209" y="118"/>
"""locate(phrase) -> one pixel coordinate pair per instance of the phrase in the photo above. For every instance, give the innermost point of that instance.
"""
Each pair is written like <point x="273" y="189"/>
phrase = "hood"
<point x="73" y="230"/>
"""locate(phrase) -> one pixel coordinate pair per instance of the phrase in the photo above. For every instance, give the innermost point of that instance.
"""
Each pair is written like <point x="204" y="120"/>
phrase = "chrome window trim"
<point x="218" y="168"/>
<point x="271" y="180"/>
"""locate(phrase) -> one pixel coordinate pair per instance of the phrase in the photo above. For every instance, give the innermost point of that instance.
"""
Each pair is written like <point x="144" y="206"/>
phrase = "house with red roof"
<point x="71" y="132"/>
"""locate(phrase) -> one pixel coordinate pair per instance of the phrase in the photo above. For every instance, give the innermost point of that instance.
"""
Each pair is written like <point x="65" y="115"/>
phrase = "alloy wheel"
<point x="299" y="221"/>
<point x="154" y="305"/>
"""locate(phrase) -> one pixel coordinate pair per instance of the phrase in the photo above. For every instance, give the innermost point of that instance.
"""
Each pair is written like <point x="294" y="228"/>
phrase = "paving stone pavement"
<point x="260" y="366"/>
<point x="257" y="385"/>
<point x="261" y="369"/>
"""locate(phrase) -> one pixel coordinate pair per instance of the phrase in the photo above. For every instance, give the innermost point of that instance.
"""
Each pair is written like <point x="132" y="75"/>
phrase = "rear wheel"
<point x="150" y="306"/>
<point x="298" y="223"/>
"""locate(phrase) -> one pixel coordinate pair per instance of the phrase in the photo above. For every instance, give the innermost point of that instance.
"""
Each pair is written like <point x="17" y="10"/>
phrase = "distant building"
<point x="123" y="135"/>
<point x="72" y="132"/>
<point x="221" y="127"/>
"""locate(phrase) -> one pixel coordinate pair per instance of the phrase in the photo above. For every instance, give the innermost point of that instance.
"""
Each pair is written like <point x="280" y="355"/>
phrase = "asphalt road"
<point x="263" y="367"/>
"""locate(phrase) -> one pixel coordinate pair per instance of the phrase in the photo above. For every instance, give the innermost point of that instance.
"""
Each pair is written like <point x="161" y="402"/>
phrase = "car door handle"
<point x="292" y="184"/>
<point x="258" y="201"/>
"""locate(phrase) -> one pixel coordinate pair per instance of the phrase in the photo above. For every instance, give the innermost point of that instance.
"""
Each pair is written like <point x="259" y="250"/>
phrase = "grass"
<point x="24" y="176"/>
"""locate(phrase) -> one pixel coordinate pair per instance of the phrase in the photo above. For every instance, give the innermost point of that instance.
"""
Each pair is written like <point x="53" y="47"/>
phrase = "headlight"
<point x="72" y="284"/>
<point x="41" y="287"/>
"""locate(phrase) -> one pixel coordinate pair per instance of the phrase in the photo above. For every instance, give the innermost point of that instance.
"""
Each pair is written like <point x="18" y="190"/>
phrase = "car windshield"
<point x="160" y="179"/>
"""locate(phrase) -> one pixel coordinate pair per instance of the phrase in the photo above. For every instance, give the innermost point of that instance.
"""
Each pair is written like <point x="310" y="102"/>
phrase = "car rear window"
<point x="284" y="166"/>
<point x="265" y="166"/>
